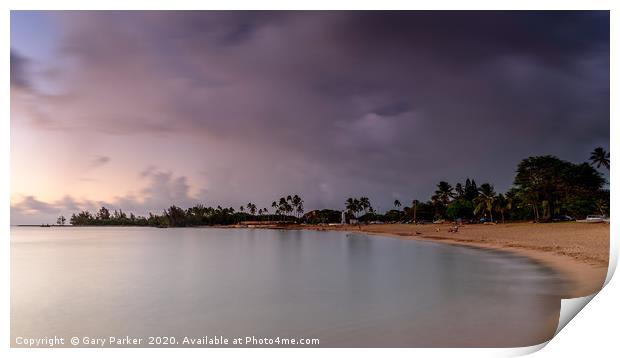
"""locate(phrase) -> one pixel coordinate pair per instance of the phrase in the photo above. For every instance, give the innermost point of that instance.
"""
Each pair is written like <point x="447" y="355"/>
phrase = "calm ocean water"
<point x="347" y="290"/>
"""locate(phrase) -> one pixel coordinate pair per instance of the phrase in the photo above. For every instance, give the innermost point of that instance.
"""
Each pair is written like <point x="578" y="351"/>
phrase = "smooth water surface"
<point x="348" y="290"/>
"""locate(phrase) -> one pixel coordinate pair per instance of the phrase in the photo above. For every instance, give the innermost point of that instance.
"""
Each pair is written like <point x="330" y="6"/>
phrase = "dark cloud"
<point x="148" y="171"/>
<point x="32" y="204"/>
<point x="19" y="76"/>
<point x="100" y="161"/>
<point x="380" y="103"/>
<point x="476" y="37"/>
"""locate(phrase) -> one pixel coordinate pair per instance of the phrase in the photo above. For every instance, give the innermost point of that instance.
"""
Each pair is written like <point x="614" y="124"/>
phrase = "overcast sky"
<point x="141" y="110"/>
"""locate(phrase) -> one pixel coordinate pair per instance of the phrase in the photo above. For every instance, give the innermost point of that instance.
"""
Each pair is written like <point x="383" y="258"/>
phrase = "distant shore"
<point x="579" y="251"/>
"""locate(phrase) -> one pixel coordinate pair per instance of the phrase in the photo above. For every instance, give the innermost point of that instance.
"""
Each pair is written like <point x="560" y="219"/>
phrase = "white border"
<point x="593" y="332"/>
<point x="311" y="5"/>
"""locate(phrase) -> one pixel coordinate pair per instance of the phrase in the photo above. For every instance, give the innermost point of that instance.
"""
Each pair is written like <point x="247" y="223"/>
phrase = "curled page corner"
<point x="569" y="309"/>
<point x="523" y="351"/>
<point x="613" y="260"/>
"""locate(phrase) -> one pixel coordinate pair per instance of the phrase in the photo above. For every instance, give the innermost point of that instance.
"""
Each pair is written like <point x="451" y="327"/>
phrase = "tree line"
<point x="285" y="209"/>
<point x="543" y="187"/>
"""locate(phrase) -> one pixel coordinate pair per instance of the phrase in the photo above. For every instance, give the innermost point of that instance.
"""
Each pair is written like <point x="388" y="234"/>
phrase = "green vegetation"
<point x="324" y="216"/>
<point x="355" y="206"/>
<point x="544" y="187"/>
<point x="599" y="157"/>
<point x="289" y="209"/>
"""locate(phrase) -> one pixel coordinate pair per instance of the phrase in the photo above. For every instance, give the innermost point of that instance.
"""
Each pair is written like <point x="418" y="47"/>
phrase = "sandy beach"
<point x="580" y="251"/>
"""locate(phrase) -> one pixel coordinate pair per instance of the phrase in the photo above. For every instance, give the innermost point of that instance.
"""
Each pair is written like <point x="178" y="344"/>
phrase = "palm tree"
<point x="282" y="207"/>
<point x="600" y="157"/>
<point x="503" y="203"/>
<point x="266" y="212"/>
<point x="352" y="205"/>
<point x="444" y="192"/>
<point x="485" y="200"/>
<point x="414" y="205"/>
<point x="251" y="208"/>
<point x="298" y="205"/>
<point x="289" y="208"/>
<point x="285" y="205"/>
<point x="397" y="204"/>
<point x="364" y="204"/>
<point x="459" y="190"/>
<point x="357" y="205"/>
<point x="300" y="208"/>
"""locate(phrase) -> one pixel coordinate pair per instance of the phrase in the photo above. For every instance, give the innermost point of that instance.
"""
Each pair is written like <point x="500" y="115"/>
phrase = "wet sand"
<point x="580" y="251"/>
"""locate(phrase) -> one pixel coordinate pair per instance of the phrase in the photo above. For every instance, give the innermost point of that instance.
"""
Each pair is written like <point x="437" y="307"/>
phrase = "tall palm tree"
<point x="414" y="205"/>
<point x="289" y="208"/>
<point x="485" y="200"/>
<point x="274" y="205"/>
<point x="357" y="204"/>
<point x="444" y="192"/>
<point x="599" y="157"/>
<point x="397" y="204"/>
<point x="351" y="205"/>
<point x="298" y="205"/>
<point x="364" y="204"/>
<point x="266" y="212"/>
<point x="502" y="204"/>
<point x="283" y="206"/>
<point x="459" y="190"/>
<point x="251" y="208"/>
<point x="348" y="203"/>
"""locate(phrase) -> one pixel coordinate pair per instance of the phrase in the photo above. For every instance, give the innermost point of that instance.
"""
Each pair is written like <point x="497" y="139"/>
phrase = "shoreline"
<point x="577" y="251"/>
<point x="584" y="279"/>
<point x="584" y="276"/>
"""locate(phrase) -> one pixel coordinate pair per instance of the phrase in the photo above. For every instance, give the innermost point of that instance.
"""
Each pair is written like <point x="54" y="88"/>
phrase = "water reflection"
<point x="348" y="290"/>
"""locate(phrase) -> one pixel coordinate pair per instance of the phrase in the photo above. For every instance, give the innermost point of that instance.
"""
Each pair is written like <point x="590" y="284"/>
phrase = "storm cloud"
<point x="100" y="160"/>
<point x="334" y="104"/>
<point x="18" y="71"/>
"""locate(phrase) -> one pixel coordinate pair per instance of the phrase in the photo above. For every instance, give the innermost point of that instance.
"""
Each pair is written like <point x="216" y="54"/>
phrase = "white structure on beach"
<point x="343" y="218"/>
